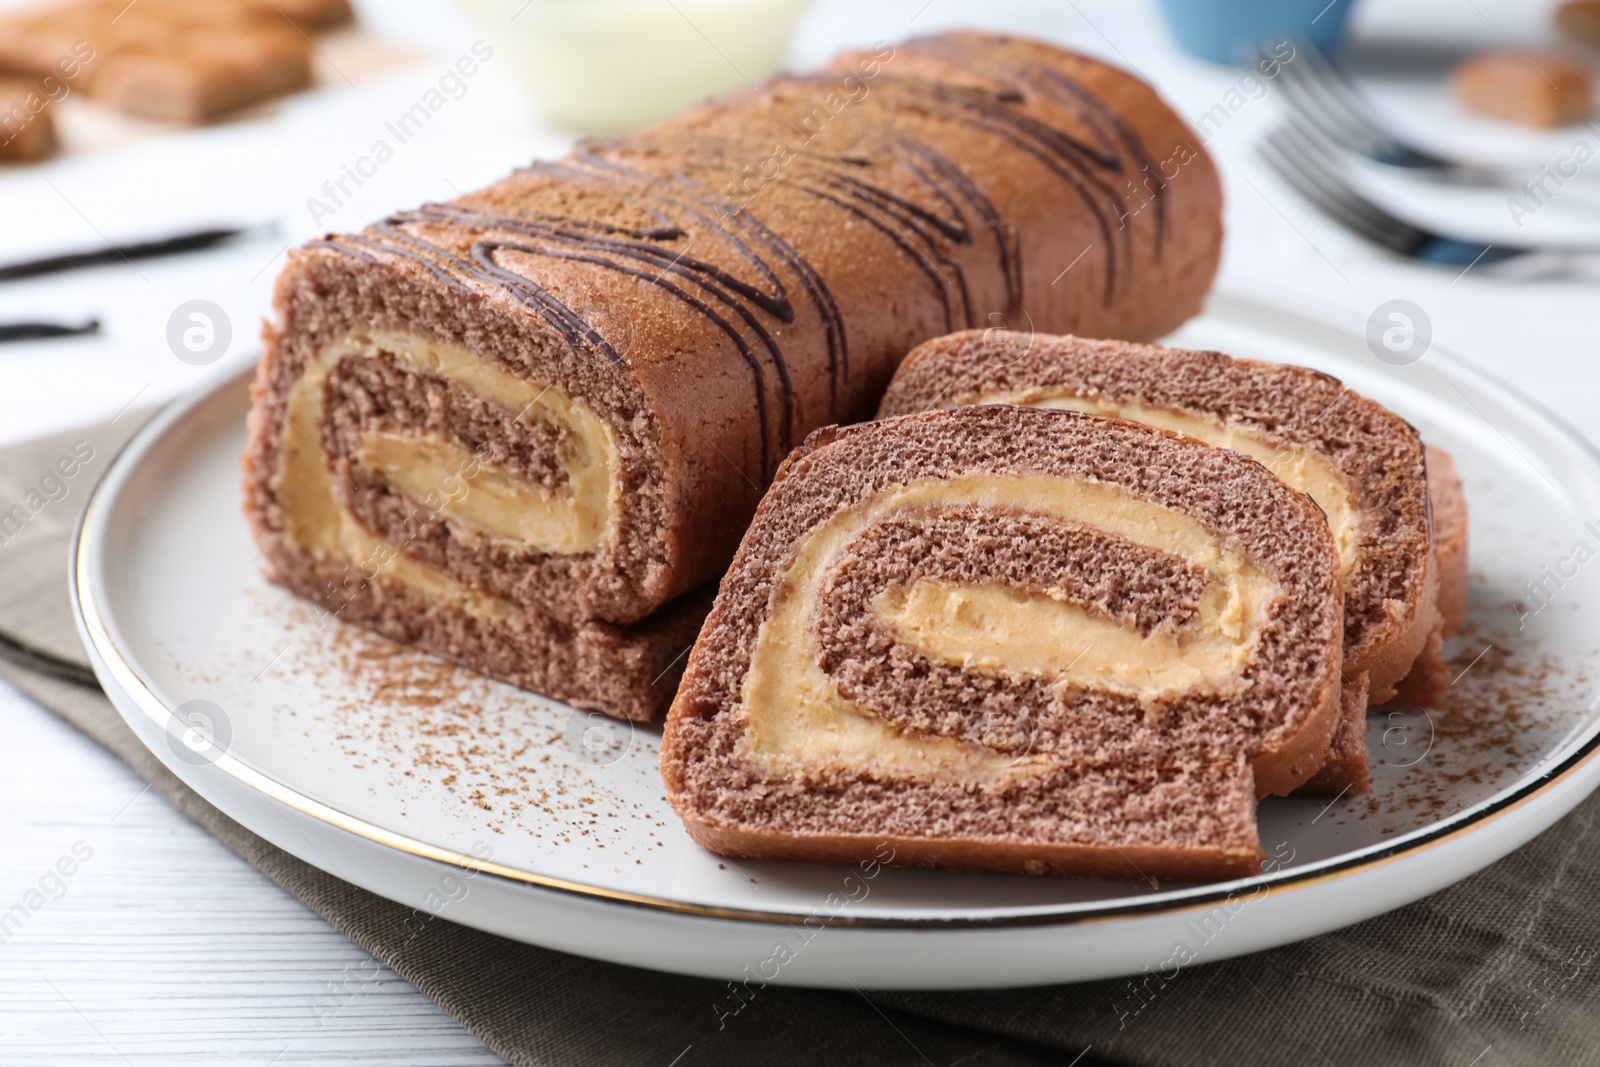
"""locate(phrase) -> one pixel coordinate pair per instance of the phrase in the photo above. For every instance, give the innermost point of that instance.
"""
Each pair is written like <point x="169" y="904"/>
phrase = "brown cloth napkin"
<point x="1503" y="968"/>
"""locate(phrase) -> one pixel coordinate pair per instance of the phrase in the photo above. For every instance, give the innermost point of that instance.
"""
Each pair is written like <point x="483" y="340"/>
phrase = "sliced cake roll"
<point x="1449" y="538"/>
<point x="1430" y="676"/>
<point x="1364" y="465"/>
<point x="562" y="396"/>
<point x="1007" y="639"/>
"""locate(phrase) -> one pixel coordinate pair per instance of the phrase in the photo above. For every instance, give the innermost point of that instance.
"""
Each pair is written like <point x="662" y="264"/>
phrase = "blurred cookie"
<point x="1533" y="88"/>
<point x="1580" y="19"/>
<point x="183" y="60"/>
<point x="196" y="73"/>
<point x="26" y="129"/>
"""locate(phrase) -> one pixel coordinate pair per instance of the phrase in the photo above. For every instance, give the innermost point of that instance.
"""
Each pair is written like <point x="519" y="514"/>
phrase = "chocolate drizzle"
<point x="332" y="243"/>
<point x="741" y="272"/>
<point x="1081" y="164"/>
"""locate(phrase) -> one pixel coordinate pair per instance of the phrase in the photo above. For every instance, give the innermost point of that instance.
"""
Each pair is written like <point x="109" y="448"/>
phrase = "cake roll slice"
<point x="1008" y="639"/>
<point x="1364" y="465"/>
<point x="1430" y="675"/>
<point x="566" y="392"/>
<point x="1449" y="502"/>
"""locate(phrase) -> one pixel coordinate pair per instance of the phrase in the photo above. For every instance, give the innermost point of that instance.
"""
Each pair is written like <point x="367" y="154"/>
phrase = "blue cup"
<point x="1223" y="30"/>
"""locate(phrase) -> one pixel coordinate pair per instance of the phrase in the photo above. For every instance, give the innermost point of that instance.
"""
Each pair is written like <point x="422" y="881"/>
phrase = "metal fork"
<point x="1321" y="94"/>
<point x="1314" y="173"/>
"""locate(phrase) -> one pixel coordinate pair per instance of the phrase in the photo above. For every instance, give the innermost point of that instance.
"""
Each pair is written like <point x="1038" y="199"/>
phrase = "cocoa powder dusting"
<point x="428" y="724"/>
<point x="1510" y="700"/>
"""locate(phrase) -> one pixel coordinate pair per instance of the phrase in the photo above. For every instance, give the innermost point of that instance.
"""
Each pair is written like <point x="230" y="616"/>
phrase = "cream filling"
<point x="476" y="497"/>
<point x="484" y="498"/>
<point x="798" y="722"/>
<point x="1001" y="630"/>
<point x="1297" y="468"/>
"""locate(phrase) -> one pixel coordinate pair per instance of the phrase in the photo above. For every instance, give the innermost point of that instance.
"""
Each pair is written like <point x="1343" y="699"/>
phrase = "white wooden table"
<point x="163" y="947"/>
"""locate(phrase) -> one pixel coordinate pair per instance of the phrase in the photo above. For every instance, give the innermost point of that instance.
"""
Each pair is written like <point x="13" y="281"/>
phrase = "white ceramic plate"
<point x="491" y="807"/>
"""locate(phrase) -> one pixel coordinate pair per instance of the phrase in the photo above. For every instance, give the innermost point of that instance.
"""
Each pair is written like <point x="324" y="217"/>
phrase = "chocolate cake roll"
<point x="613" y="352"/>
<point x="1008" y="639"/>
<point x="1449" y="502"/>
<point x="1430" y="675"/>
<point x="1364" y="465"/>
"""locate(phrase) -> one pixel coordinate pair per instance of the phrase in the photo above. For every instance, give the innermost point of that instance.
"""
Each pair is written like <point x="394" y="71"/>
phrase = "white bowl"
<point x="607" y="66"/>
